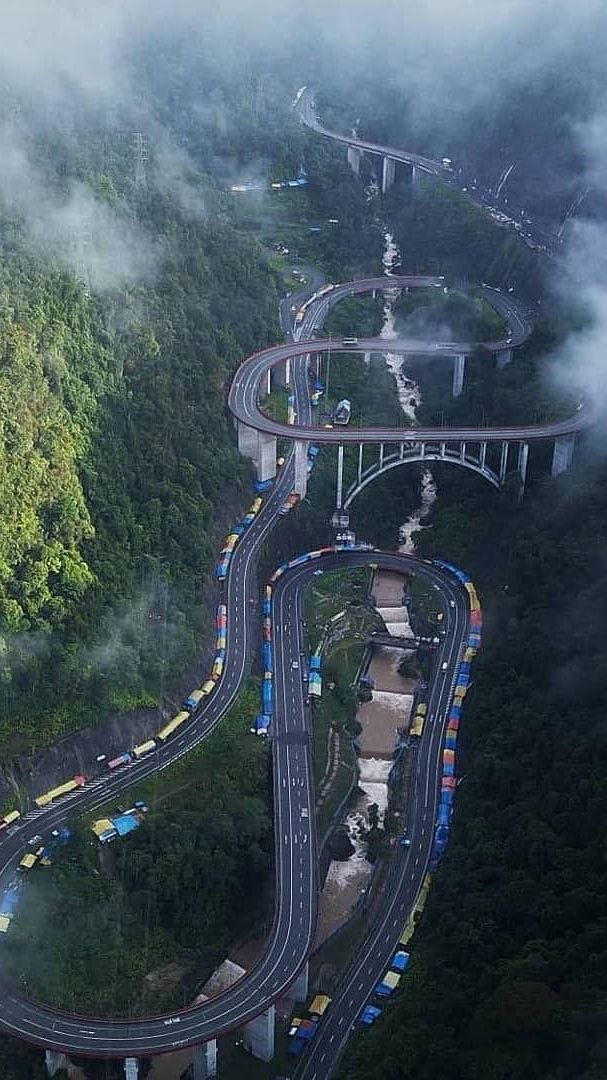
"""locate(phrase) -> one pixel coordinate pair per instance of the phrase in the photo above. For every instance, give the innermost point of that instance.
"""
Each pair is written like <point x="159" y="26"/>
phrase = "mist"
<point x="467" y="74"/>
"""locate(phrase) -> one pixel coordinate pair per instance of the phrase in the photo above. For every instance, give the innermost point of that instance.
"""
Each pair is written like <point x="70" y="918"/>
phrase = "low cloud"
<point x="74" y="227"/>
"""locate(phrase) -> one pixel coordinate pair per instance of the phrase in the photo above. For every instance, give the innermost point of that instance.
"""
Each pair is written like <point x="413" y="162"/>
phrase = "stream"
<point x="346" y="880"/>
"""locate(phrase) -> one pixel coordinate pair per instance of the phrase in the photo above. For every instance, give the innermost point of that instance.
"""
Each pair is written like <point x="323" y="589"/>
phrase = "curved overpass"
<point x="295" y="848"/>
<point x="519" y="325"/>
<point x="243" y="400"/>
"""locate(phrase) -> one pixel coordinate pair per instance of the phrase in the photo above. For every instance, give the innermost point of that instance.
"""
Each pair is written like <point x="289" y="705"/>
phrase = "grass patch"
<point x="275" y="405"/>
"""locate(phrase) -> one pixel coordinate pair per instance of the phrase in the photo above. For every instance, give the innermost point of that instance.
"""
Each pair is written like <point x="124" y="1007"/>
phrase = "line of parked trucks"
<point x="128" y="757"/>
<point x="264" y="719"/>
<point x="225" y="556"/>
<point x="448" y="779"/>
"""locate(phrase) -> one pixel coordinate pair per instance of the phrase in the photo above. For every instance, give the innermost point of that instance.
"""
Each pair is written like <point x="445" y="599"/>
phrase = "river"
<point x="346" y="880"/>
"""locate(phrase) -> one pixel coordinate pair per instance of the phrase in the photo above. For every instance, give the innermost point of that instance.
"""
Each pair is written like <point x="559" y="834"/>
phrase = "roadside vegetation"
<point x="136" y="926"/>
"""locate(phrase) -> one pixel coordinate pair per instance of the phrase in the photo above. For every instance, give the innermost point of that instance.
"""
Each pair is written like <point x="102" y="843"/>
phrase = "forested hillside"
<point x="121" y="323"/>
<point x="509" y="962"/>
<point x="116" y="458"/>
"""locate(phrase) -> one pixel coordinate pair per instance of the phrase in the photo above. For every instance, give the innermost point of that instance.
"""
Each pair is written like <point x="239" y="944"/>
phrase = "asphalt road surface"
<point x="296" y="861"/>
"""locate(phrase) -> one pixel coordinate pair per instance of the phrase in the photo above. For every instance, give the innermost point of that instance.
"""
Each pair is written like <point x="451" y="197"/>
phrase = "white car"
<point x="444" y="665"/>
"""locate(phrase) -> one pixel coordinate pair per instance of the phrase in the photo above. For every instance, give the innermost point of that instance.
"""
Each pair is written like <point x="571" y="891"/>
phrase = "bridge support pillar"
<point x="259" y="1035"/>
<point x="415" y="175"/>
<point x="360" y="461"/>
<point x="505" y="357"/>
<point x="300" y="481"/>
<point x="462" y="452"/>
<point x="503" y="463"/>
<point x="381" y="455"/>
<point x="388" y="171"/>
<point x="367" y="359"/>
<point x="354" y="159"/>
<point x="443" y="449"/>
<point x="483" y="455"/>
<point x="205" y="1060"/>
<point x="459" y="366"/>
<point x="281" y="373"/>
<point x="300" y="986"/>
<point x="247" y="441"/>
<point x="562" y="454"/>
<point x="266" y="456"/>
<point x="340" y="476"/>
<point x="131" y="1068"/>
<point x="54" y="1061"/>
<point x="523" y="459"/>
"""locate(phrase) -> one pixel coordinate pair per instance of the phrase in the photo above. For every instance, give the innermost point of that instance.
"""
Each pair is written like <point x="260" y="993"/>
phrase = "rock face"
<point x="340" y="845"/>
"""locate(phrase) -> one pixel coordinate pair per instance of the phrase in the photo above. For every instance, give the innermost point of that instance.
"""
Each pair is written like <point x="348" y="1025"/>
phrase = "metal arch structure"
<point x="420" y="453"/>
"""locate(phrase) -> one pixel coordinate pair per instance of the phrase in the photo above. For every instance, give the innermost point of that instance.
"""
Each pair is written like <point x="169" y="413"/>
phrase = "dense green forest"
<point x="119" y="466"/>
<point x="508" y="978"/>
<point x="509" y="962"/>
<point x="116" y="454"/>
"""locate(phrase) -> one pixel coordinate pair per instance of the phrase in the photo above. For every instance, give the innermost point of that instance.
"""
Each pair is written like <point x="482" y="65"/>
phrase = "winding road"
<point x="244" y="395"/>
<point x="295" y="849"/>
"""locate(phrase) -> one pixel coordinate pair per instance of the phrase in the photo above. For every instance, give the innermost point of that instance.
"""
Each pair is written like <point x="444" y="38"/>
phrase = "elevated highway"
<point x="244" y="403"/>
<point x="307" y="112"/>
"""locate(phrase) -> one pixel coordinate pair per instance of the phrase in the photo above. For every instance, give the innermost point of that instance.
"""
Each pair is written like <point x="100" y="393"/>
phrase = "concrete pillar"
<point x="401" y="452"/>
<point x="443" y="448"/>
<point x="354" y="159"/>
<point x="367" y="358"/>
<point x="505" y="357"/>
<point x="340" y="476"/>
<point x="562" y="454"/>
<point x="483" y="455"/>
<point x="281" y="372"/>
<point x="266" y="456"/>
<point x="504" y="462"/>
<point x="423" y="450"/>
<point x="459" y="365"/>
<point x="268" y="377"/>
<point x="523" y="458"/>
<point x="131" y="1068"/>
<point x="300" y="480"/>
<point x="205" y="1060"/>
<point x="259" y="1035"/>
<point x="247" y="441"/>
<point x="360" y="461"/>
<point x="299" y="990"/>
<point x="415" y="175"/>
<point x="54" y="1061"/>
<point x="381" y="455"/>
<point x="387" y="174"/>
